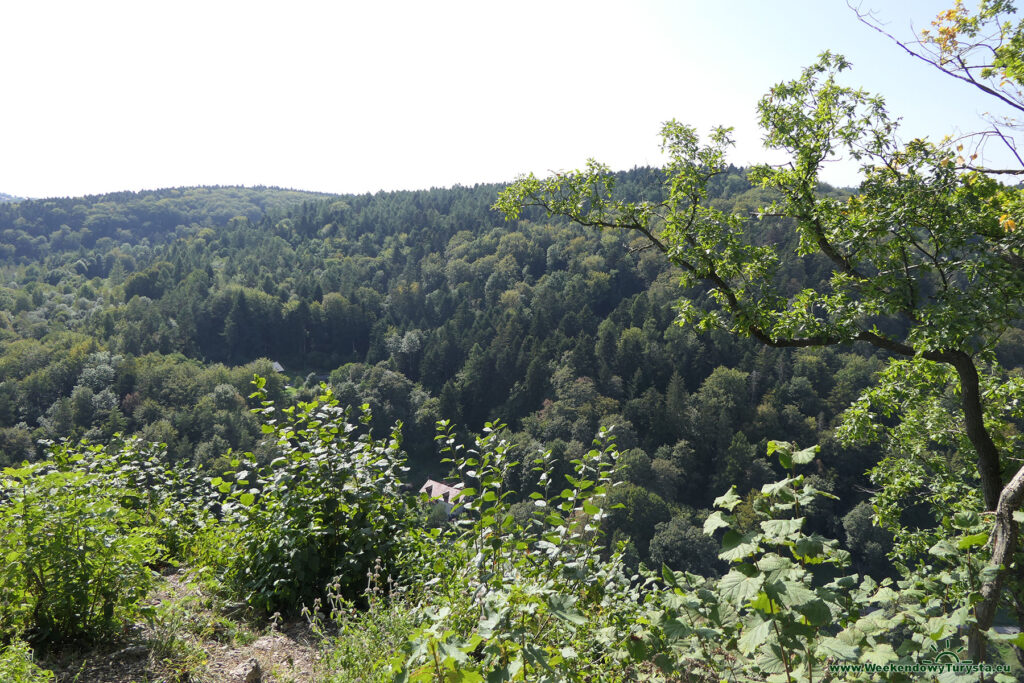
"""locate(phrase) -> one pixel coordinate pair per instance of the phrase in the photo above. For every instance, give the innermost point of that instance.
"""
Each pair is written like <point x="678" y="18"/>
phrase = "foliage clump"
<point x="323" y="511"/>
<point x="80" y="542"/>
<point x="542" y="600"/>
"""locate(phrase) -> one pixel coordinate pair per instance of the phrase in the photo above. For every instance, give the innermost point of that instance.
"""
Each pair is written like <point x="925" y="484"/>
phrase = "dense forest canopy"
<point x="149" y="313"/>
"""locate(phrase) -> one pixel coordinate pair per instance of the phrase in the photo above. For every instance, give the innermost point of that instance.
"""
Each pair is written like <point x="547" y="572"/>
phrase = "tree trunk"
<point x="1004" y="542"/>
<point x="974" y="420"/>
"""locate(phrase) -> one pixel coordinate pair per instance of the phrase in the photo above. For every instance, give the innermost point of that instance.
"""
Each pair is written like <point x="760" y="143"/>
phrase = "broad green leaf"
<point x="770" y="661"/>
<point x="671" y="578"/>
<point x="729" y="500"/>
<point x="884" y="595"/>
<point x="452" y="651"/>
<point x="972" y="541"/>
<point x="809" y="547"/>
<point x="939" y="628"/>
<point x="737" y="588"/>
<point x="764" y="603"/>
<point x="755" y="635"/>
<point x="461" y="675"/>
<point x="1015" y="639"/>
<point x="795" y="593"/>
<point x="490" y="620"/>
<point x="785" y="452"/>
<point x="836" y="648"/>
<point x="562" y="607"/>
<point x="736" y="546"/>
<point x="943" y="548"/>
<point x="782" y="528"/>
<point x="676" y="629"/>
<point x="816" y="612"/>
<point x="772" y="562"/>
<point x="805" y="456"/>
<point x="965" y="519"/>
<point x="880" y="655"/>
<point x="716" y="520"/>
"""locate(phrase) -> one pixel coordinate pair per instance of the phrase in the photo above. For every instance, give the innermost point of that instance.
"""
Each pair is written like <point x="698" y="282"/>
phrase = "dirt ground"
<point x="190" y="641"/>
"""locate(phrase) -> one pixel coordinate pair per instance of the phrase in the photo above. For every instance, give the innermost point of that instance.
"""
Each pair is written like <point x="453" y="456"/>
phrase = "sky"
<point x="353" y="97"/>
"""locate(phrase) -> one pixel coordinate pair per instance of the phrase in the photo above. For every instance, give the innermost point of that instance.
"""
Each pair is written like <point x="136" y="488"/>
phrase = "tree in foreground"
<point x="924" y="261"/>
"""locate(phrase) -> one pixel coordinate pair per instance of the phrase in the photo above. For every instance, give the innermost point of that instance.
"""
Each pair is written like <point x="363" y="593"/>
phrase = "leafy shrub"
<point x="527" y="602"/>
<point x="174" y="499"/>
<point x="18" y="666"/>
<point x="78" y="547"/>
<point x="786" y="612"/>
<point x="534" y="601"/>
<point x="323" y="511"/>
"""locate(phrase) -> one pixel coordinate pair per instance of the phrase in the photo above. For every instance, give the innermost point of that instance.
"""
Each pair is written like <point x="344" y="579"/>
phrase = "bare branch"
<point x="967" y="77"/>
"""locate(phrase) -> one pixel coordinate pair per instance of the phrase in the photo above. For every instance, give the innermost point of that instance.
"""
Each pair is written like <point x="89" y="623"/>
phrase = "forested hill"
<point x="35" y="228"/>
<point x="150" y="312"/>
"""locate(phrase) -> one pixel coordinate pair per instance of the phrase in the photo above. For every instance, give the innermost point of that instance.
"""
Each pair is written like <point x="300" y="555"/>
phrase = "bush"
<point x="18" y="666"/>
<point x="323" y="512"/>
<point x="531" y="597"/>
<point x="77" y="544"/>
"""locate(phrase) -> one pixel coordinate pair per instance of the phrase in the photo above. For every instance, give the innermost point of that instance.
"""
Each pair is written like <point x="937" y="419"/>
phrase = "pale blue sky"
<point x="361" y="96"/>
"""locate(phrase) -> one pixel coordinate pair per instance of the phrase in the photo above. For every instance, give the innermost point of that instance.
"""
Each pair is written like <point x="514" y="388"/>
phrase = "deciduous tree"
<point x="925" y="260"/>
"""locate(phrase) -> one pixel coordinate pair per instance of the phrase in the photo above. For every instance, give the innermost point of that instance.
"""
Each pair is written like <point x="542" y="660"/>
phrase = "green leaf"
<point x="833" y="647"/>
<point x="738" y="588"/>
<point x="944" y="549"/>
<point x="884" y="595"/>
<point x="755" y="636"/>
<point x="805" y="456"/>
<point x="973" y="541"/>
<point x="785" y="452"/>
<point x="670" y="577"/>
<point x="737" y="547"/>
<point x="795" y="593"/>
<point x="816" y="612"/>
<point x="782" y="528"/>
<point x="763" y="603"/>
<point x="880" y="655"/>
<point x="562" y="607"/>
<point x="1015" y="639"/>
<point x="809" y="547"/>
<point x="716" y="520"/>
<point x="676" y="629"/>
<point x="774" y="563"/>
<point x="452" y="651"/>
<point x="965" y="520"/>
<point x="729" y="500"/>
<point x="246" y="499"/>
